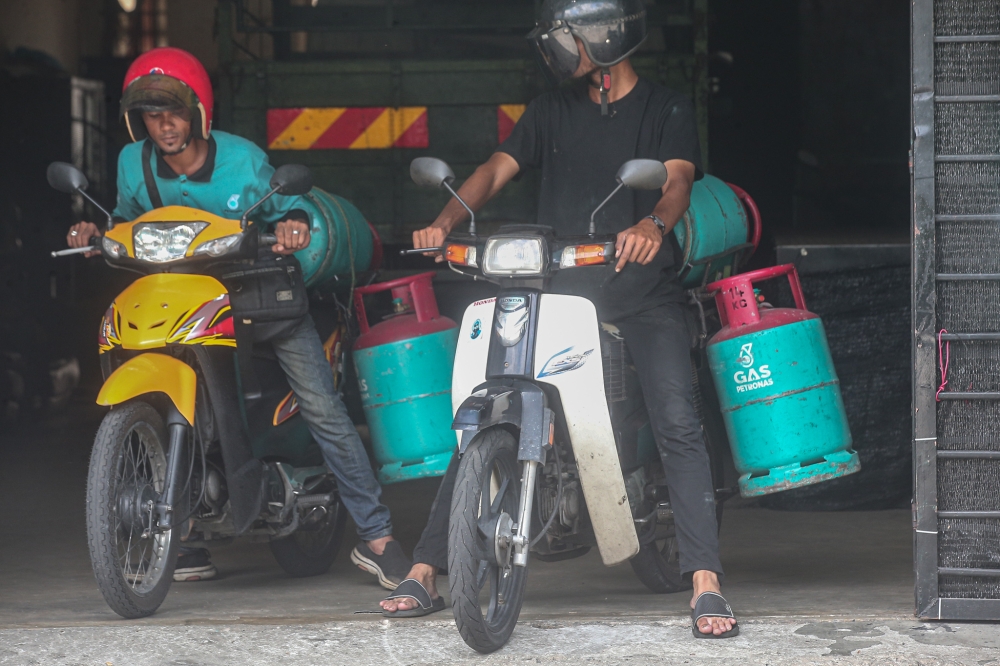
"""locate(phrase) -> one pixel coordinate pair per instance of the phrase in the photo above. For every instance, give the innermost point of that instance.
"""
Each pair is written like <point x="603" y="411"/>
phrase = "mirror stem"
<point x="472" y="222"/>
<point x="246" y="215"/>
<point x="98" y="206"/>
<point x="593" y="228"/>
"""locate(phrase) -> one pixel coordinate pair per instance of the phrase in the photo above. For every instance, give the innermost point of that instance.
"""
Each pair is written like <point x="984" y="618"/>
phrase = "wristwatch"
<point x="658" y="222"/>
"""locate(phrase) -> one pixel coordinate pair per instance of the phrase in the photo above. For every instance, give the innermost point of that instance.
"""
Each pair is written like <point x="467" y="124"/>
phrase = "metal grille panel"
<point x="960" y="310"/>
<point x="966" y="425"/>
<point x="966" y="17"/>
<point x="959" y="128"/>
<point x="971" y="68"/>
<point x="968" y="188"/>
<point x="960" y="247"/>
<point x="956" y="286"/>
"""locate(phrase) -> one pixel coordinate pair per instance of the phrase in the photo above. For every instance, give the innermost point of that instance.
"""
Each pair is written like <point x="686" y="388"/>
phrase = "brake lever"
<point x="421" y="250"/>
<point x="75" y="250"/>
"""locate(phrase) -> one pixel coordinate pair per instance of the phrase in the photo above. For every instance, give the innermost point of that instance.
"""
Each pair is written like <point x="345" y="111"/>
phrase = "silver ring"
<point x="73" y="233"/>
<point x="295" y="232"/>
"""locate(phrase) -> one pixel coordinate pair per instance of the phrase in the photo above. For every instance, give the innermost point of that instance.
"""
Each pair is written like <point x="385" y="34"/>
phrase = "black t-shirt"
<point x="579" y="153"/>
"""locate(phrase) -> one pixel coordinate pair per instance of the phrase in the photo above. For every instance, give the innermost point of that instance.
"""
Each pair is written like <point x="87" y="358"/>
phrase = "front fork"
<point x="167" y="508"/>
<point x="522" y="532"/>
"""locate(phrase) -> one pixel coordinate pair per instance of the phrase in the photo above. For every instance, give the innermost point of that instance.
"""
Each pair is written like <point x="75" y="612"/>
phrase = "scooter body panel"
<point x="152" y="373"/>
<point x="568" y="356"/>
<point x="470" y="356"/>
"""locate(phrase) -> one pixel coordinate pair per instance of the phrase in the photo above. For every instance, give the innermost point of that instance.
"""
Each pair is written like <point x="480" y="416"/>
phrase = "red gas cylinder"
<point x="404" y="368"/>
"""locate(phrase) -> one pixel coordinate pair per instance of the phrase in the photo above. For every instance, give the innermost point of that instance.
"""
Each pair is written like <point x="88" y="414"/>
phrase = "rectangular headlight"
<point x="514" y="256"/>
<point x="160" y="242"/>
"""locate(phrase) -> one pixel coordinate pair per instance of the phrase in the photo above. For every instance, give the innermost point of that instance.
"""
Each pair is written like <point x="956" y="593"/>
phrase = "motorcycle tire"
<point x="311" y="552"/>
<point x="487" y="484"/>
<point x="128" y="467"/>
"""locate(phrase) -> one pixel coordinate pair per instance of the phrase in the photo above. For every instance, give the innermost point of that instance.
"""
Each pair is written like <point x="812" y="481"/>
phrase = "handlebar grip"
<point x="266" y="240"/>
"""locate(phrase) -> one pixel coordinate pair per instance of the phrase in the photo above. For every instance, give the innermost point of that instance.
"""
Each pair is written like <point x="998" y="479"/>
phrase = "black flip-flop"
<point x="712" y="604"/>
<point x="413" y="589"/>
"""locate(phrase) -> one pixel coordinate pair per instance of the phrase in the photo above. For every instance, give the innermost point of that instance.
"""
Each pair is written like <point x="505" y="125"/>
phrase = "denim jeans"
<point x="301" y="356"/>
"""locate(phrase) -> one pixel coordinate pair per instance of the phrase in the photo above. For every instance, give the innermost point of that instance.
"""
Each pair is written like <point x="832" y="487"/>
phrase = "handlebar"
<point x="266" y="240"/>
<point x="95" y="246"/>
<point x="421" y="250"/>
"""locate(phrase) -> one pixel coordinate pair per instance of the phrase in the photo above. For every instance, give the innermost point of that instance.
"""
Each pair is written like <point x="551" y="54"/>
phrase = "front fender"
<point x="517" y="402"/>
<point x="152" y="373"/>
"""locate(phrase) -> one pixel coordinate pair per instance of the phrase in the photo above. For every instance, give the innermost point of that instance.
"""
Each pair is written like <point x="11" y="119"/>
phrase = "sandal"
<point x="712" y="604"/>
<point x="413" y="589"/>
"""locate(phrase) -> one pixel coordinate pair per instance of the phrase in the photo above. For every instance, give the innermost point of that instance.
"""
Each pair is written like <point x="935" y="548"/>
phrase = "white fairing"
<point x="568" y="356"/>
<point x="470" y="356"/>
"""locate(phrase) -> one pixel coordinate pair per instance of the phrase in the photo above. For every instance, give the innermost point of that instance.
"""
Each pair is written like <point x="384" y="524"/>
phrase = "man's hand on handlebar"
<point x="81" y="234"/>
<point x="292" y="236"/>
<point x="431" y="236"/>
<point x="638" y="244"/>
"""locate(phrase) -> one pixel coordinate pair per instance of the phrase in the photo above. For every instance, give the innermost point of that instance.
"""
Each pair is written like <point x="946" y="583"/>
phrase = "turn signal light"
<point x="461" y="254"/>
<point x="585" y="255"/>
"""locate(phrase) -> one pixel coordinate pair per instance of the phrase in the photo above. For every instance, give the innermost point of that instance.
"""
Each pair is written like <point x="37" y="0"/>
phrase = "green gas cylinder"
<point x="720" y="229"/>
<point x="404" y="366"/>
<point x="778" y="390"/>
<point x="342" y="240"/>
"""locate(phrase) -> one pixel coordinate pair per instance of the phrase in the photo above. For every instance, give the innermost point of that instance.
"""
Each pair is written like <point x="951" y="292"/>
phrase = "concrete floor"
<point x="804" y="585"/>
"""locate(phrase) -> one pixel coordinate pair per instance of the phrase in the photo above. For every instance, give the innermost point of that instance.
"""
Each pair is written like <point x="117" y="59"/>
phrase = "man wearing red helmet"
<point x="178" y="160"/>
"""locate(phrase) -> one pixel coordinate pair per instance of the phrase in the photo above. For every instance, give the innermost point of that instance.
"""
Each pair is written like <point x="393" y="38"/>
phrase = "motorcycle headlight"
<point x="219" y="246"/>
<point x="514" y="256"/>
<point x="114" y="249"/>
<point x="160" y="242"/>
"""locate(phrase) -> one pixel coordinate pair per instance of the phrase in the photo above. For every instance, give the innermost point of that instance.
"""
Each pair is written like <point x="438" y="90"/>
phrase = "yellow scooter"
<point x="183" y="454"/>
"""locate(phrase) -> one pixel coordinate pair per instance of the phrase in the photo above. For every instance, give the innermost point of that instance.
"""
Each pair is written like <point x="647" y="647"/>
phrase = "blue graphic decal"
<point x="477" y="329"/>
<point x="564" y="361"/>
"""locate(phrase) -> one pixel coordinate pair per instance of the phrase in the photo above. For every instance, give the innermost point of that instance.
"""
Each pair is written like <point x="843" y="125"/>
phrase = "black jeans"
<point x="659" y="342"/>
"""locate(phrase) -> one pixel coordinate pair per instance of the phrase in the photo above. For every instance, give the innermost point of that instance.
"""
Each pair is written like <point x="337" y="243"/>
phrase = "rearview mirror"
<point x="431" y="172"/>
<point x="292" y="180"/>
<point x="66" y="178"/>
<point x="643" y="174"/>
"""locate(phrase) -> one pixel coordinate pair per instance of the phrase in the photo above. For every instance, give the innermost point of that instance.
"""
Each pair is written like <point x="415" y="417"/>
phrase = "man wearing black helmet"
<point x="578" y="136"/>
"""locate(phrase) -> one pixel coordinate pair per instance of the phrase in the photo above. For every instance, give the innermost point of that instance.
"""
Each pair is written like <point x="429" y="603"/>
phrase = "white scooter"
<point x="556" y="451"/>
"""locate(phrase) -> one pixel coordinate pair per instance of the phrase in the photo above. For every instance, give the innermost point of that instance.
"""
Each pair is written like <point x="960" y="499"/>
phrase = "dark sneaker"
<point x="391" y="566"/>
<point x="193" y="565"/>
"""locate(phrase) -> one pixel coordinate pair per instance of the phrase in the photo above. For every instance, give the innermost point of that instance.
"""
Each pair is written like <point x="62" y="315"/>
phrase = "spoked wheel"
<point x="310" y="550"/>
<point x="486" y="588"/>
<point x="133" y="564"/>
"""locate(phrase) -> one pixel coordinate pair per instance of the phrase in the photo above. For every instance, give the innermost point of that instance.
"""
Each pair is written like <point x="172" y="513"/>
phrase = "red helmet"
<point x="167" y="79"/>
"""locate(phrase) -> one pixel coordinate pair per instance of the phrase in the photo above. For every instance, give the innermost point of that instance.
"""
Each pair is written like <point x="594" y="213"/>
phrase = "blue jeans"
<point x="301" y="356"/>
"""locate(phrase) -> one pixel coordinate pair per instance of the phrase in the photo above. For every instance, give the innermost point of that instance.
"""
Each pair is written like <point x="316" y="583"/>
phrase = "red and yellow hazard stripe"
<point x="507" y="117"/>
<point x="354" y="128"/>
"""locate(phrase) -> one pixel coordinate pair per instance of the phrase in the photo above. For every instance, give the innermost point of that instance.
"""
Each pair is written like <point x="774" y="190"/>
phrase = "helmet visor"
<point x="156" y="93"/>
<point x="611" y="42"/>
<point x="557" y="49"/>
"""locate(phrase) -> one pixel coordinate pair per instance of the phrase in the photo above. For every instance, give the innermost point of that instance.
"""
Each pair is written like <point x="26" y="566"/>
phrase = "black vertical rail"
<point x="925" y="525"/>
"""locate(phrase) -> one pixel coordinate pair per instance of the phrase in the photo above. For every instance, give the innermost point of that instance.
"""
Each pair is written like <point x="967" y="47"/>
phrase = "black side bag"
<point x="269" y="290"/>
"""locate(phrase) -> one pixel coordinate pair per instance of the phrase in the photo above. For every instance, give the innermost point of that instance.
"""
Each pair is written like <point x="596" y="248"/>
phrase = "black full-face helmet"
<point x="610" y="31"/>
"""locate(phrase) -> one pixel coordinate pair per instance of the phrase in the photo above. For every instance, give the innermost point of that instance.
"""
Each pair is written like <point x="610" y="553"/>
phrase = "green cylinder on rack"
<point x="342" y="240"/>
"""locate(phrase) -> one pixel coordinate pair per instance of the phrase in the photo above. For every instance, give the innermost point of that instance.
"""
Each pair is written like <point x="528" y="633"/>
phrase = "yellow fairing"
<point x="171" y="308"/>
<point x="150" y="373"/>
<point x="217" y="226"/>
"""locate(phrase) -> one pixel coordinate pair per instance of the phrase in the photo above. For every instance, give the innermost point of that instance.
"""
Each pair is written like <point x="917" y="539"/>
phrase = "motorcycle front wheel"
<point x="486" y="595"/>
<point x="133" y="564"/>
